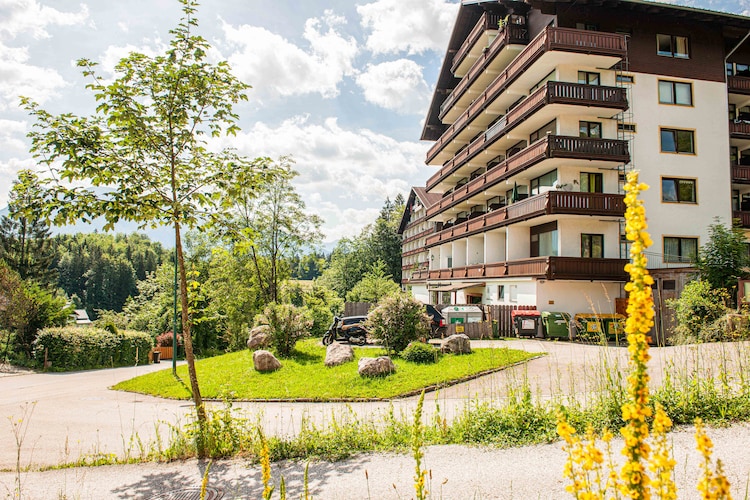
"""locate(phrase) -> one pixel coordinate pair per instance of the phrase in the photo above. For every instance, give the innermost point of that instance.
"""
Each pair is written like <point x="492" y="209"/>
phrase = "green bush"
<point x="398" y="320"/>
<point x="420" y="352"/>
<point x="74" y="348"/>
<point x="698" y="312"/>
<point x="288" y="324"/>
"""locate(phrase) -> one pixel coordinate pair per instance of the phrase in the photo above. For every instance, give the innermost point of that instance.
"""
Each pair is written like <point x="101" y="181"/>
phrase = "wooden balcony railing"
<point x="488" y="21"/>
<point x="738" y="84"/>
<point x="551" y="93"/>
<point x="739" y="129"/>
<point x="540" y="267"/>
<point x="551" y="146"/>
<point x="563" y="39"/>
<point x="549" y="203"/>
<point x="741" y="174"/>
<point x="743" y="217"/>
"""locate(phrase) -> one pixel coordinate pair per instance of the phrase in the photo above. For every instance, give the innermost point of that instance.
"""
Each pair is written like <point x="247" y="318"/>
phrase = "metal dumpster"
<point x="597" y="327"/>
<point x="556" y="324"/>
<point x="527" y="323"/>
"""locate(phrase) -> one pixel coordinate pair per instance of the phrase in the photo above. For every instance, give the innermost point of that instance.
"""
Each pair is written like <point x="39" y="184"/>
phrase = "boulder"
<point x="260" y="336"/>
<point x="456" y="344"/>
<point x="375" y="367"/>
<point x="264" y="361"/>
<point x="338" y="354"/>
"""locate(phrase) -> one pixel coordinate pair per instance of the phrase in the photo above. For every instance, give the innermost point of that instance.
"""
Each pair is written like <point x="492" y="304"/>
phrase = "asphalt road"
<point x="67" y="415"/>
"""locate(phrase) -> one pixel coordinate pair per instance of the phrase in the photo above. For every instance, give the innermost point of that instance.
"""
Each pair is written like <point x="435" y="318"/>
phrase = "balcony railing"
<point x="549" y="203"/>
<point x="741" y="174"/>
<point x="551" y="146"/>
<point x="738" y="84"/>
<point x="540" y="267"/>
<point x="551" y="93"/>
<point x="488" y="21"/>
<point x="739" y="129"/>
<point x="562" y="39"/>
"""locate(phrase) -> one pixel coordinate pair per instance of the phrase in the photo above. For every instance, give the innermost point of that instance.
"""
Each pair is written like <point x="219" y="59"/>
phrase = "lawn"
<point x="305" y="376"/>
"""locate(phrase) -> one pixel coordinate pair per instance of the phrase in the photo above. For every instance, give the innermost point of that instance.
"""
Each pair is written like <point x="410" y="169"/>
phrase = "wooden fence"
<point x="499" y="315"/>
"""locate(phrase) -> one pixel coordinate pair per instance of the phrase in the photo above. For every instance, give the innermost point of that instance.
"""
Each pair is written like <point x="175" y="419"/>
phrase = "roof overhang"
<point x="453" y="287"/>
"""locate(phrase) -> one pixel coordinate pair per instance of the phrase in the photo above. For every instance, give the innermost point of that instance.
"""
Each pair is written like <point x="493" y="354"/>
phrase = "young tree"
<point x="145" y="151"/>
<point x="373" y="286"/>
<point x="724" y="258"/>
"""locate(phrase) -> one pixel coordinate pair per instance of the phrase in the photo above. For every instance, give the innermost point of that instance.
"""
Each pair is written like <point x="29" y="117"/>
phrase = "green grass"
<point x="305" y="376"/>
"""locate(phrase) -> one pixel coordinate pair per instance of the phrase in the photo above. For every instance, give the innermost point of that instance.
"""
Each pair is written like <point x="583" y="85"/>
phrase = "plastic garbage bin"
<point x="596" y="327"/>
<point x="156" y="355"/>
<point x="527" y="323"/>
<point x="556" y="324"/>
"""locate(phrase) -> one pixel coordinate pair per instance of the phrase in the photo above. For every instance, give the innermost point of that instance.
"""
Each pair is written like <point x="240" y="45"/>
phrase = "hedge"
<point x="75" y="348"/>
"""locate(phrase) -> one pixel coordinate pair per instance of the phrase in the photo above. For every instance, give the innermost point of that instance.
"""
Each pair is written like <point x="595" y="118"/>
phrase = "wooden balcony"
<point x="552" y="38"/>
<point x="738" y="85"/>
<point x="574" y="94"/>
<point x="487" y="22"/>
<point x="743" y="217"/>
<point x="551" y="146"/>
<point x="741" y="174"/>
<point x="739" y="129"/>
<point x="571" y="268"/>
<point x="549" y="203"/>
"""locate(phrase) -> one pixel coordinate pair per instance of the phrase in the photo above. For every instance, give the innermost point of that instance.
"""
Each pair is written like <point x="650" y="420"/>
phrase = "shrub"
<point x="288" y="324"/>
<point x="697" y="311"/>
<point x="398" y="320"/>
<point x="73" y="348"/>
<point x="166" y="338"/>
<point x="420" y="352"/>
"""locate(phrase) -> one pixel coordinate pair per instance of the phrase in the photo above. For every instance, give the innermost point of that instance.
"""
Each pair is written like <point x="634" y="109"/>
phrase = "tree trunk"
<point x="186" y="336"/>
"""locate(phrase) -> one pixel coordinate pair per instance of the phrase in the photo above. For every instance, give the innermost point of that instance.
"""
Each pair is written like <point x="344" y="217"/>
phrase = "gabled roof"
<point x="425" y="198"/>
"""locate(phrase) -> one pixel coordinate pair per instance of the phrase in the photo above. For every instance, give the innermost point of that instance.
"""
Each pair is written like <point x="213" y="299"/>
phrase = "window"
<point x="544" y="240"/>
<point x="546" y="180"/>
<point x="521" y="193"/>
<point x="587" y="26"/>
<point x="677" y="249"/>
<point x="732" y="111"/>
<point x="549" y="128"/>
<point x="677" y="190"/>
<point x="592" y="246"/>
<point x="735" y="200"/>
<point x="672" y="46"/>
<point x="591" y="182"/>
<point x="677" y="141"/>
<point x="620" y="78"/>
<point x="675" y="93"/>
<point x="543" y="81"/>
<point x="626" y="127"/>
<point x="589" y="78"/>
<point x="500" y="292"/>
<point x="738" y="69"/>
<point x="590" y="129"/>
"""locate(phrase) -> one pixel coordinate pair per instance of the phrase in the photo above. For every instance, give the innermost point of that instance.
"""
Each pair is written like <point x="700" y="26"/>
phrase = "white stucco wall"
<point x="577" y="296"/>
<point x="569" y="232"/>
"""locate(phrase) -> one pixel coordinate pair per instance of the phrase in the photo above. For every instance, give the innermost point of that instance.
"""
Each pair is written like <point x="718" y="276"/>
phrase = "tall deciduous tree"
<point x="724" y="258"/>
<point x="144" y="151"/>
<point x="272" y="226"/>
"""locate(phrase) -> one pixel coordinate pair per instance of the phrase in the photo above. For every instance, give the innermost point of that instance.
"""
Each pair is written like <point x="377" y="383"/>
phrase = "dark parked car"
<point x="437" y="322"/>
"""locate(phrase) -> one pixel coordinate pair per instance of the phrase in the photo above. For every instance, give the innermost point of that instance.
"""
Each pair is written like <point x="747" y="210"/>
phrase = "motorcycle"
<point x="349" y="328"/>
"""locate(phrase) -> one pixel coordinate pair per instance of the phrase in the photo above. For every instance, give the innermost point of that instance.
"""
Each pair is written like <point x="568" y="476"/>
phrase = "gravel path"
<point x="76" y="413"/>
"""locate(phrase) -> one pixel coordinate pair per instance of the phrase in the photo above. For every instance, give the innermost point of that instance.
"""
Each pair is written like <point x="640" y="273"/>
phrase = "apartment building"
<point x="540" y="109"/>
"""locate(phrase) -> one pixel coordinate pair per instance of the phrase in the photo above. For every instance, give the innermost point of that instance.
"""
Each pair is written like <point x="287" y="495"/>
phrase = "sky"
<point x="341" y="86"/>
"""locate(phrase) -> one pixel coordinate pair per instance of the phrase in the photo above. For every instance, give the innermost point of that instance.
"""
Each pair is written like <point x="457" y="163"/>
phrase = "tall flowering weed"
<point x="648" y="470"/>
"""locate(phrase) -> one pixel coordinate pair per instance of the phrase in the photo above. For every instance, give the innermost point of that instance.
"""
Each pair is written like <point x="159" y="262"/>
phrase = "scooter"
<point x="348" y="328"/>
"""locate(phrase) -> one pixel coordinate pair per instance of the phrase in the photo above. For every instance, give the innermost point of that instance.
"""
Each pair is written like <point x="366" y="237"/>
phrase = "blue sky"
<point x="341" y="86"/>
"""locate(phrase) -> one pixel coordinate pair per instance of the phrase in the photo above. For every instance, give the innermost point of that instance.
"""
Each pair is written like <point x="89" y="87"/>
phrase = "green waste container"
<point x="556" y="324"/>
<point x="593" y="327"/>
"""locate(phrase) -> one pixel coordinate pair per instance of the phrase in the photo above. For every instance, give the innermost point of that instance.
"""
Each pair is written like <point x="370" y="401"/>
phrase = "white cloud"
<point x="345" y="175"/>
<point x="8" y="171"/>
<point x="12" y="135"/>
<point x="396" y="85"/>
<point x="412" y="26"/>
<point x="17" y="77"/>
<point x="28" y="16"/>
<point x="276" y="67"/>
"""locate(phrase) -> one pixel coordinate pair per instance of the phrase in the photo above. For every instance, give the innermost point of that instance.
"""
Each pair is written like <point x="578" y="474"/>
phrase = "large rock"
<point x="260" y="336"/>
<point x="375" y="367"/>
<point x="456" y="344"/>
<point x="264" y="361"/>
<point x="338" y="354"/>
